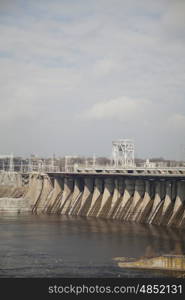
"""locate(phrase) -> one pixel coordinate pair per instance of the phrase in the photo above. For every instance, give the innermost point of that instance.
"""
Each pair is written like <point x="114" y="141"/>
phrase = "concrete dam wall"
<point x="12" y="192"/>
<point x="159" y="201"/>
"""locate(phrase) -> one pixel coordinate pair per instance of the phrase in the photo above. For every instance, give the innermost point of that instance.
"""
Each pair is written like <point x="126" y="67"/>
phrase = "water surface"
<point x="62" y="246"/>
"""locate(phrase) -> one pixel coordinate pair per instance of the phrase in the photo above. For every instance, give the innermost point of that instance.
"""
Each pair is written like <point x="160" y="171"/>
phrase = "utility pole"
<point x="30" y="166"/>
<point x="21" y="168"/>
<point x="52" y="165"/>
<point x="66" y="161"/>
<point x="11" y="164"/>
<point x="94" y="160"/>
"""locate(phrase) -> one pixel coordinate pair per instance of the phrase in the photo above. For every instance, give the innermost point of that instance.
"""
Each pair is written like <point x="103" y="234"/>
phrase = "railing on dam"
<point x="135" y="172"/>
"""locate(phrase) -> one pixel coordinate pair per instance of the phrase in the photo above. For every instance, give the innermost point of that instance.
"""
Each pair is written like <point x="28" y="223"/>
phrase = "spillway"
<point x="158" y="200"/>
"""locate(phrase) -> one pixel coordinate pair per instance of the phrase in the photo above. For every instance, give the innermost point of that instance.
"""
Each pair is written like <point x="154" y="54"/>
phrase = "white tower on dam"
<point x="123" y="153"/>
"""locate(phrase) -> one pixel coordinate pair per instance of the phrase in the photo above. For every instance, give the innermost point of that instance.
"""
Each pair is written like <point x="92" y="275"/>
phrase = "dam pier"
<point x="134" y="195"/>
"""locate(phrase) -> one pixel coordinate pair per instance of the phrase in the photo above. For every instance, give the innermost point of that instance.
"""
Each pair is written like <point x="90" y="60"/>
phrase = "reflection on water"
<point x="62" y="246"/>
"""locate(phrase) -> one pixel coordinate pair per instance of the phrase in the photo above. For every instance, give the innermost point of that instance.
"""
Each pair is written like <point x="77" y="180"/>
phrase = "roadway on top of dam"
<point x="154" y="173"/>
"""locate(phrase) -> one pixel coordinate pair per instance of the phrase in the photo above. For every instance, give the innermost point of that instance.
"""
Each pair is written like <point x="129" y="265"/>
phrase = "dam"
<point x="77" y="224"/>
<point x="134" y="195"/>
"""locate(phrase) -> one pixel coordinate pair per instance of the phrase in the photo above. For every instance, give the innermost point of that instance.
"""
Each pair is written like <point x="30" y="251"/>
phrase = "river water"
<point x="62" y="246"/>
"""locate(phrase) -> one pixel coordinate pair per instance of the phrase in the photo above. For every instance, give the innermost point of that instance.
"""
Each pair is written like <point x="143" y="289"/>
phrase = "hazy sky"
<point x="77" y="74"/>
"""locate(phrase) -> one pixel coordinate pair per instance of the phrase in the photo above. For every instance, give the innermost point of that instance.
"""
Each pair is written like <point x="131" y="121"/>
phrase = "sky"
<point x="77" y="74"/>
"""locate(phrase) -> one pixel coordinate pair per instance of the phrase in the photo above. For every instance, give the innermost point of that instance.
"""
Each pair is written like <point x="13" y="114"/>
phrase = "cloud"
<point x="173" y="21"/>
<point x="110" y="62"/>
<point x="176" y="122"/>
<point x="123" y="109"/>
<point x="104" y="67"/>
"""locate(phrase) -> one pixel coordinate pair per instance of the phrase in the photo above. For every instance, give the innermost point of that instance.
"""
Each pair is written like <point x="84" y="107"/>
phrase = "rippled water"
<point x="61" y="246"/>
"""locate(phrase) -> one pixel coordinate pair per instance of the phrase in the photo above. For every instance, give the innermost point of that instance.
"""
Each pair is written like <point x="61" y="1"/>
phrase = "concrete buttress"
<point x="86" y="197"/>
<point x="67" y="193"/>
<point x="117" y="196"/>
<point x="179" y="204"/>
<point x="126" y="200"/>
<point x="55" y="196"/>
<point x="145" y="206"/>
<point x="96" y="198"/>
<point x="76" y="197"/>
<point x="137" y="198"/>
<point x="106" y="198"/>
<point x="168" y="203"/>
<point x="46" y="190"/>
<point x="160" y="190"/>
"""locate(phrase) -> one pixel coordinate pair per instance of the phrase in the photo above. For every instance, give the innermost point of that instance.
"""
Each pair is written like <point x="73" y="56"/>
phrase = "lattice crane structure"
<point x="123" y="153"/>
